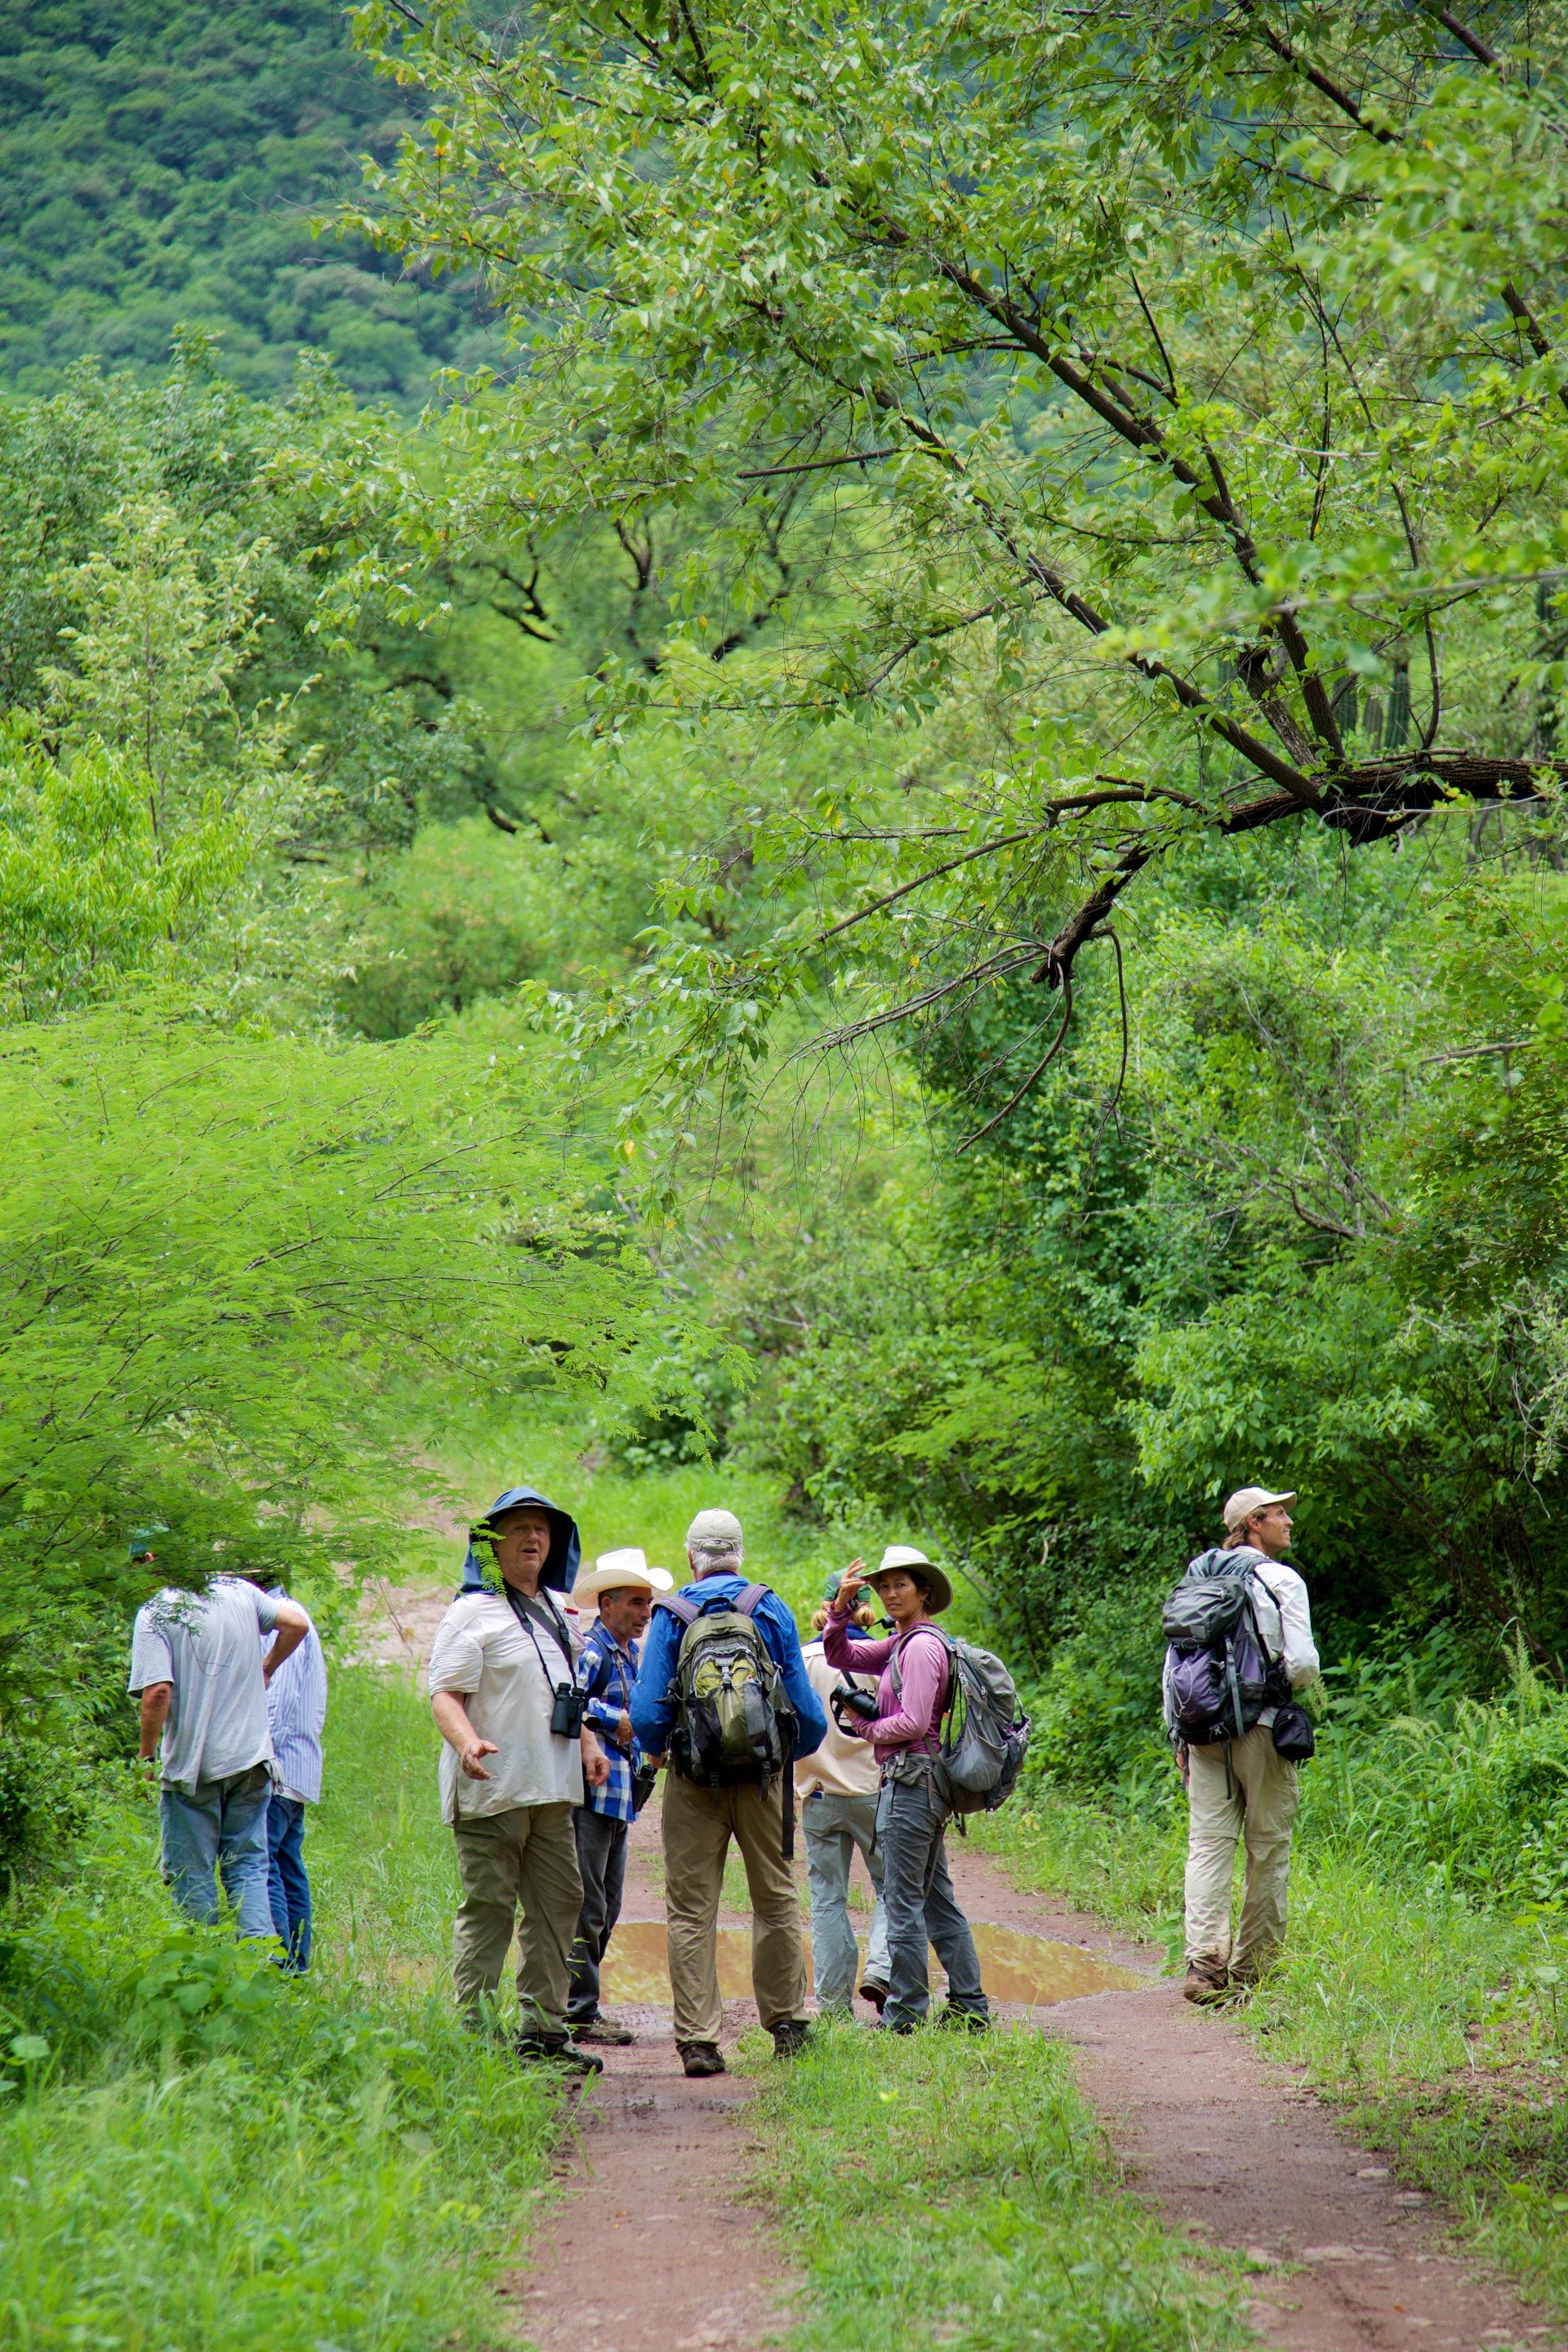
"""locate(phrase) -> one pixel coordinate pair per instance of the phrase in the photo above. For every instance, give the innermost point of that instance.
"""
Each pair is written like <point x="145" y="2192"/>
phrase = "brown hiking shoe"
<point x="1207" y="1982"/>
<point x="702" y="2058"/>
<point x="599" y="2028"/>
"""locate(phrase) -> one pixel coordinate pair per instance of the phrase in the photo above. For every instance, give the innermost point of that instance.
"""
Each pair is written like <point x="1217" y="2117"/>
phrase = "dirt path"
<point x="1244" y="2156"/>
<point x="654" y="2248"/>
<point x="1224" y="2144"/>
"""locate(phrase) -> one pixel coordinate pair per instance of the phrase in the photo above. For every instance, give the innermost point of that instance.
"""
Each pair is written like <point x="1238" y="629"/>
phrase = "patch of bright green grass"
<point x="296" y="2165"/>
<point x="613" y="1506"/>
<point x="1123" y="1866"/>
<point x="944" y="2190"/>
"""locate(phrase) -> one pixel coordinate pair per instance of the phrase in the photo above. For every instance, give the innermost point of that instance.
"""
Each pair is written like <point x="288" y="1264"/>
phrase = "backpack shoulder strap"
<point x="1253" y="1578"/>
<point x="685" y="1612"/>
<point x="893" y="1668"/>
<point x="749" y="1601"/>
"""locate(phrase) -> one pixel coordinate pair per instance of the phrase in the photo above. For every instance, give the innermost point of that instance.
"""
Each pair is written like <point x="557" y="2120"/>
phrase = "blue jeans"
<point x="220" y="1831"/>
<point x="921" y="1910"/>
<point x="836" y="1827"/>
<point x="288" y="1887"/>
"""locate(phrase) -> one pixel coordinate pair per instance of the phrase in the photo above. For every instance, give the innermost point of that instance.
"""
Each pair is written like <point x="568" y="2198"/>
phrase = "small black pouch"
<point x="645" y="1779"/>
<point x="1293" y="1733"/>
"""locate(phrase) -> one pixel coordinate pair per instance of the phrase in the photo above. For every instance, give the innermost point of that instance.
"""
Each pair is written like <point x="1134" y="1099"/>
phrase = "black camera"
<point x="566" y="1715"/>
<point x="846" y="1700"/>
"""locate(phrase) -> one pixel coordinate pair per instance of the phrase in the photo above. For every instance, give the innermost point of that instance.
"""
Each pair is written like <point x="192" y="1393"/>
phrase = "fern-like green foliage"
<point x="231" y="1265"/>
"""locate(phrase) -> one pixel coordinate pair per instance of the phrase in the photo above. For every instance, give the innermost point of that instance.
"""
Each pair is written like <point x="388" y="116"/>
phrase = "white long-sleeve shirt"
<point x="1285" y="1620"/>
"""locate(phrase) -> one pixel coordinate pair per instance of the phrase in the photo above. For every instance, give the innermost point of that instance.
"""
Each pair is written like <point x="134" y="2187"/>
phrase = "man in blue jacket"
<point x="700" y="1822"/>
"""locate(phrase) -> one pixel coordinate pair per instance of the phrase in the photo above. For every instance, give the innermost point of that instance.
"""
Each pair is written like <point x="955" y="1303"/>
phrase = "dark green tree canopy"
<point x="163" y="164"/>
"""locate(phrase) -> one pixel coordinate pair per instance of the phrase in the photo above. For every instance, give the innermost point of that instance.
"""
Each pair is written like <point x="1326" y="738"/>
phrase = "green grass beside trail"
<point x="327" y="2166"/>
<point x="942" y="2189"/>
<point x="1439" y="2025"/>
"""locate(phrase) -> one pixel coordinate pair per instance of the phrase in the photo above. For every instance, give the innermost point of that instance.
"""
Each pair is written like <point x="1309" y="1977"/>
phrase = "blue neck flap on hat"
<point x="565" y="1545"/>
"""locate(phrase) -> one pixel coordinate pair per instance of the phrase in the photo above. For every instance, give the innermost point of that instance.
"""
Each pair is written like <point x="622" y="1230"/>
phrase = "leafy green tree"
<point x="1194" y="381"/>
<point x="240" y="1272"/>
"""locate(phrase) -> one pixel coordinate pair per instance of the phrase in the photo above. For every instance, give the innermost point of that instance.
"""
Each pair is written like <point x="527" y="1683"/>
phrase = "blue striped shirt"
<point x="606" y="1674"/>
<point x="296" y="1710"/>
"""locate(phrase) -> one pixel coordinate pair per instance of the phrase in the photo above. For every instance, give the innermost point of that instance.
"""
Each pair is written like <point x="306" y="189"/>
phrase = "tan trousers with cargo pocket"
<point x="699" y="1825"/>
<point x="1259" y="1808"/>
<point x="517" y="1869"/>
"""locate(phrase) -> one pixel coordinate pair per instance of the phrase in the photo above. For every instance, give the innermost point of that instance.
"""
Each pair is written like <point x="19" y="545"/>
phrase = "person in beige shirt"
<point x="836" y="1788"/>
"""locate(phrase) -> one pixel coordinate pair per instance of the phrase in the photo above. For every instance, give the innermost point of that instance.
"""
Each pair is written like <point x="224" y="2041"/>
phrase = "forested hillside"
<point x="164" y="162"/>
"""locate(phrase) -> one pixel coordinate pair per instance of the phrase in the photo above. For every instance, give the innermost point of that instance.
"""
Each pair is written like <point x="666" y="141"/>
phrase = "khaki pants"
<point x="698" y="1826"/>
<point x="1260" y="1807"/>
<point x="517" y="1868"/>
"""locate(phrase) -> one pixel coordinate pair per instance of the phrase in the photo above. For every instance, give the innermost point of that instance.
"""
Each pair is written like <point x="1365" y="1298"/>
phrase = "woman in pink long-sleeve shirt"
<point x="911" y="1816"/>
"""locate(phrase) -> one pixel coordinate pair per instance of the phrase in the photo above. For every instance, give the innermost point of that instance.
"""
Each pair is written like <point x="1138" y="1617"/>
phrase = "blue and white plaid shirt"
<point x="605" y="1672"/>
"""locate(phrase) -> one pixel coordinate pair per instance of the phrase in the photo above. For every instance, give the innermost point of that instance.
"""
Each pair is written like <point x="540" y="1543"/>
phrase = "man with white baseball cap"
<point x="702" y="1815"/>
<point x="1244" y="1788"/>
<point x="622" y="1586"/>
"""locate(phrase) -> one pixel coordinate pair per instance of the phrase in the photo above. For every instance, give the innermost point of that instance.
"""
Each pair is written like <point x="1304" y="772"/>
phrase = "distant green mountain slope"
<point x="159" y="162"/>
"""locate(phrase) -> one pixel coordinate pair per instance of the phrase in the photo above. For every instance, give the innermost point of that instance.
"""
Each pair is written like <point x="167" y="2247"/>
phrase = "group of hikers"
<point x="564" y="1696"/>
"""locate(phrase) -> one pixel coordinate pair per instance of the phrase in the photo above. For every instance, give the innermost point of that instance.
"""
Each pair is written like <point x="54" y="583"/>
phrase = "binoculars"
<point x="569" y="1712"/>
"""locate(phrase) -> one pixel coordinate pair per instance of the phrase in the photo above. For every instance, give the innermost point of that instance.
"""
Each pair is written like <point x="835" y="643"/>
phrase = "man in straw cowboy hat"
<point x="1244" y="1788"/>
<point x="621" y="1585"/>
<point x="911" y="1816"/>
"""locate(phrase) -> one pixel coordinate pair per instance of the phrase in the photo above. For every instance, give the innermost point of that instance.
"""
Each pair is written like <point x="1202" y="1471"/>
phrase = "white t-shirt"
<point x="206" y="1646"/>
<point x="507" y="1678"/>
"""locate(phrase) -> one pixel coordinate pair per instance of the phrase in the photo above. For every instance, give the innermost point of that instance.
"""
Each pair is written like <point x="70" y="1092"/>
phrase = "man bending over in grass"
<point x="198" y="1670"/>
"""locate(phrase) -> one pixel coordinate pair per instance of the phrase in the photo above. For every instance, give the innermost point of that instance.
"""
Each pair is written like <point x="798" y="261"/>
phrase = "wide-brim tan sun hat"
<point x="618" y="1572"/>
<point x="938" y="1591"/>
<point x="1248" y="1499"/>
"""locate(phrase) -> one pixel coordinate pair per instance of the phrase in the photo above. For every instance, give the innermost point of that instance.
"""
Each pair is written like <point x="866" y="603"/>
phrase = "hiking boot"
<point x="1207" y="1981"/>
<point x="555" y="2049"/>
<point x="963" y="2020"/>
<point x="875" y="1993"/>
<point x="702" y="2058"/>
<point x="790" y="2039"/>
<point x="893" y="2025"/>
<point x="599" y="2028"/>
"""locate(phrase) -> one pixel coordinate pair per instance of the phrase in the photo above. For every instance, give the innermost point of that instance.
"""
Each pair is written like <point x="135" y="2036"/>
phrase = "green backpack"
<point x="733" y="1722"/>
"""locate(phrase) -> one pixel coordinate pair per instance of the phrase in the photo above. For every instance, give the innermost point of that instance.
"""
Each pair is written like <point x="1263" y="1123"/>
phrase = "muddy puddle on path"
<point x="1015" y="1967"/>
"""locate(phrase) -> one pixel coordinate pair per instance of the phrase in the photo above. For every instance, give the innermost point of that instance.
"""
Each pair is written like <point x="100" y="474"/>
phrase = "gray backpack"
<point x="983" y="1731"/>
